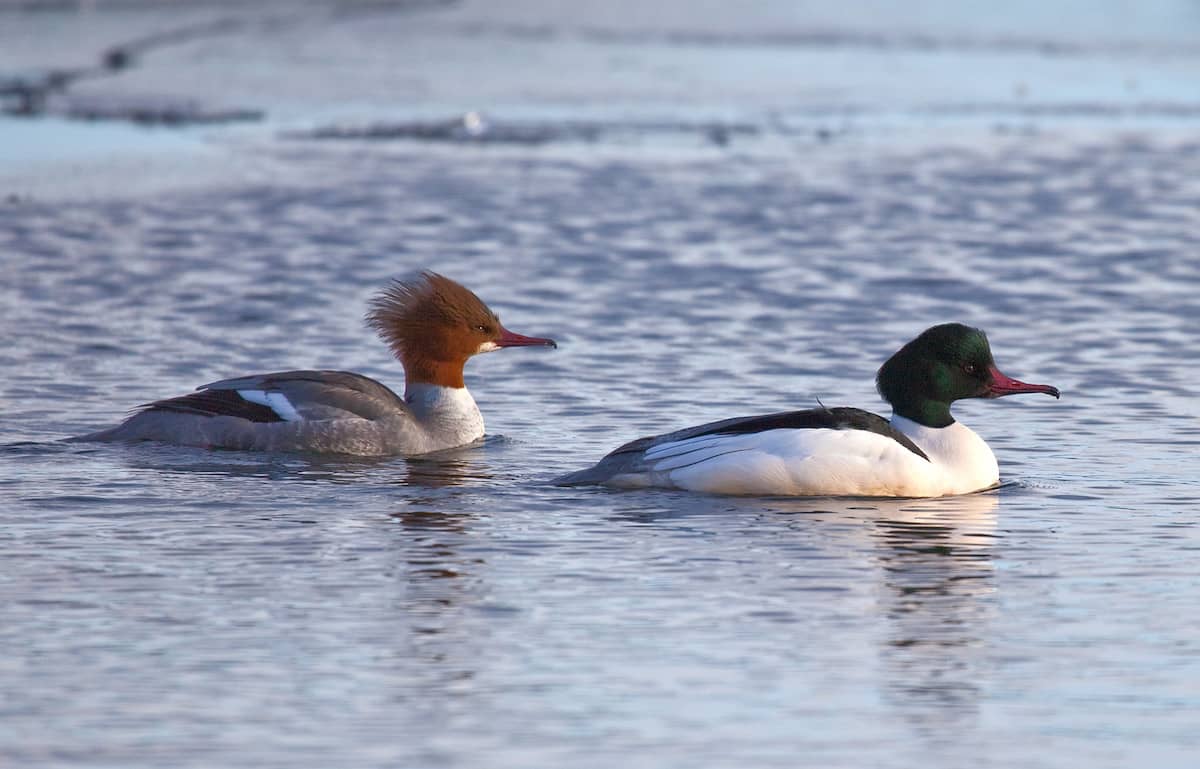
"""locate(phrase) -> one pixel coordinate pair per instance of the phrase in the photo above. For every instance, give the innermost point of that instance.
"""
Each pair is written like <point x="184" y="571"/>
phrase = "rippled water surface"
<point x="178" y="607"/>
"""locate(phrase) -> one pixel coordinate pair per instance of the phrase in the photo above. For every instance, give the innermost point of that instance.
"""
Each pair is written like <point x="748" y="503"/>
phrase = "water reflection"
<point x="437" y="583"/>
<point x="451" y="468"/>
<point x="937" y="573"/>
<point x="932" y="566"/>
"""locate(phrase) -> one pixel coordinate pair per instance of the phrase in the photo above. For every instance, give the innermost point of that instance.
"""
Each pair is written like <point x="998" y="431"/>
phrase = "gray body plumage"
<point x="432" y="325"/>
<point x="335" y="412"/>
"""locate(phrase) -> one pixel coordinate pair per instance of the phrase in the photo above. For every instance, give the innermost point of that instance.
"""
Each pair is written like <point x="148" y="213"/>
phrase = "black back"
<point x="840" y="418"/>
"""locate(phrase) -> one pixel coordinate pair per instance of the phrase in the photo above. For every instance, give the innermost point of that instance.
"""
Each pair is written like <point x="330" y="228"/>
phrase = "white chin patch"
<point x="277" y="402"/>
<point x="487" y="347"/>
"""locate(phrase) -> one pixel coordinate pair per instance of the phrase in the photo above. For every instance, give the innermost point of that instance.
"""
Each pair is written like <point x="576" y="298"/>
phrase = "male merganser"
<point x="432" y="324"/>
<point x="920" y="452"/>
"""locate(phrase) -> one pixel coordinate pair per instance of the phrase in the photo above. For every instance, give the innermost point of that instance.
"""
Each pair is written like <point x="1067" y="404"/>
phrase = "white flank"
<point x="821" y="461"/>
<point x="811" y="461"/>
<point x="277" y="402"/>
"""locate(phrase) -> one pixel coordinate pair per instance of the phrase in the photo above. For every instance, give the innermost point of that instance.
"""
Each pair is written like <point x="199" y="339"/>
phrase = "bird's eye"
<point x="481" y="328"/>
<point x="969" y="369"/>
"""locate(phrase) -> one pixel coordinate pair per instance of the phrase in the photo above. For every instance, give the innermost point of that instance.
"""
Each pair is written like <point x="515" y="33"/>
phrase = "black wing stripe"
<point x="215" y="403"/>
<point x="840" y="418"/>
<point x="676" y="453"/>
<point x="700" y="461"/>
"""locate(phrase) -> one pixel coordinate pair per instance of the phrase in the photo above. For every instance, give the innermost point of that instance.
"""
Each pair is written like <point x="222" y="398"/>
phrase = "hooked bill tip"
<point x="510" y="339"/>
<point x="1002" y="385"/>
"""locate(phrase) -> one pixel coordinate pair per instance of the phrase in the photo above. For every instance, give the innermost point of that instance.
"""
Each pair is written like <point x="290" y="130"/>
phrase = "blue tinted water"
<point x="176" y="607"/>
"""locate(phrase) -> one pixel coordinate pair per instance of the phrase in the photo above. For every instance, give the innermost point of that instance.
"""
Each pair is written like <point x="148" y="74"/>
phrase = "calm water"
<point x="175" y="607"/>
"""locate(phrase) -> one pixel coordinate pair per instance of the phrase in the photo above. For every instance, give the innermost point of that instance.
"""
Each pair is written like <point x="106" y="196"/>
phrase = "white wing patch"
<point x="275" y="401"/>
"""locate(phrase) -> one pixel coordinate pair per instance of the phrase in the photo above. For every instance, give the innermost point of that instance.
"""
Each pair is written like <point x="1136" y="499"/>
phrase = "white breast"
<point x="448" y="416"/>
<point x="966" y="461"/>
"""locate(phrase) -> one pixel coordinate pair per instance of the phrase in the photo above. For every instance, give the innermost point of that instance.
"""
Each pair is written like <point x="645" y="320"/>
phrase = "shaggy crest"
<point x="419" y="311"/>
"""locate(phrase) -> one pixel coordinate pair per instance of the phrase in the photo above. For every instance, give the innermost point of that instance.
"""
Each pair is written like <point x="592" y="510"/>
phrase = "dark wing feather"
<point x="322" y="394"/>
<point x="214" y="403"/>
<point x="840" y="418"/>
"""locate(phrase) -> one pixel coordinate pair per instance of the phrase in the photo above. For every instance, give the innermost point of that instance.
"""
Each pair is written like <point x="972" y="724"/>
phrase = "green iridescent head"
<point x="944" y="364"/>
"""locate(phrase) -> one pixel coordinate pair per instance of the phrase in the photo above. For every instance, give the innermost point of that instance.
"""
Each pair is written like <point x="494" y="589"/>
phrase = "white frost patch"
<point x="277" y="402"/>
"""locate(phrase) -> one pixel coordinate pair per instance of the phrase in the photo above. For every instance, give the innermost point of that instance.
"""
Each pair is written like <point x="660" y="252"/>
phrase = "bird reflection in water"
<point x="937" y="576"/>
<point x="437" y="584"/>
<point x="455" y="468"/>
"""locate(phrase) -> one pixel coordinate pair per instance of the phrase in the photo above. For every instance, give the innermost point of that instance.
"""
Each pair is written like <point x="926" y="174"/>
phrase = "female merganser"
<point x="921" y="452"/>
<point x="432" y="324"/>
